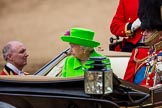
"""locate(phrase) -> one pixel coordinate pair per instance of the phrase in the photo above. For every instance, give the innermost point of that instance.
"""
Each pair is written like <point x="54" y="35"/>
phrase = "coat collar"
<point x="78" y="63"/>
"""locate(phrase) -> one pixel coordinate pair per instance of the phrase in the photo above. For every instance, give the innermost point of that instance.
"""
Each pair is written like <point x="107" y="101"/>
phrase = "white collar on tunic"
<point x="15" y="69"/>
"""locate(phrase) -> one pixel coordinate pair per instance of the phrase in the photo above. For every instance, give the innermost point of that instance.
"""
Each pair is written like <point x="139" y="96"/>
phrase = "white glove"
<point x="135" y="25"/>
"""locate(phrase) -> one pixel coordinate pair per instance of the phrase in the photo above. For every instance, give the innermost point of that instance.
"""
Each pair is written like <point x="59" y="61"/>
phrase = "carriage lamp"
<point x="158" y="70"/>
<point x="98" y="79"/>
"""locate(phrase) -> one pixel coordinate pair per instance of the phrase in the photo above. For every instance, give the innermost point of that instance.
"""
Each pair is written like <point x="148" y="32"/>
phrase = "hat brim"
<point x="80" y="41"/>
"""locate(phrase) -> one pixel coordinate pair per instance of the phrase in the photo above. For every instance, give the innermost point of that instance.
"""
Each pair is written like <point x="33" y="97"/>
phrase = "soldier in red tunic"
<point x="15" y="55"/>
<point x="145" y="64"/>
<point x="126" y="24"/>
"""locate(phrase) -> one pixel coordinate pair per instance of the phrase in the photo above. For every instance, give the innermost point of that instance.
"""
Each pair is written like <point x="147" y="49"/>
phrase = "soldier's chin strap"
<point x="161" y="15"/>
<point x="153" y="35"/>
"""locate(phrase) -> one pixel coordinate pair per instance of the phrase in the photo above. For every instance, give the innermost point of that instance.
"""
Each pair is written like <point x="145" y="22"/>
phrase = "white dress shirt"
<point x="15" y="69"/>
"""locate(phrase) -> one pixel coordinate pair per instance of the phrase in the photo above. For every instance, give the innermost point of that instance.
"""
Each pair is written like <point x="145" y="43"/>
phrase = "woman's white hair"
<point x="87" y="48"/>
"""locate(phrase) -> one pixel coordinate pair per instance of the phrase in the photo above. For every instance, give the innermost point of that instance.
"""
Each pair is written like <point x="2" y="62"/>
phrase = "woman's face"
<point x="76" y="50"/>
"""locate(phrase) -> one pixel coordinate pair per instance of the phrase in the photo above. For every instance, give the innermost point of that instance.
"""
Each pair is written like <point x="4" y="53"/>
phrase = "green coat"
<point x="73" y="67"/>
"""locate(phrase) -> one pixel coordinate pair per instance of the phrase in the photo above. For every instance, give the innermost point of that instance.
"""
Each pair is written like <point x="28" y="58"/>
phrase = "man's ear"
<point x="160" y="35"/>
<point x="9" y="56"/>
<point x="160" y="38"/>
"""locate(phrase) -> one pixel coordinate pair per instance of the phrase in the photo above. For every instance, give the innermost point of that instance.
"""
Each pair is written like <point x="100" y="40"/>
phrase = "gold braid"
<point x="152" y="36"/>
<point x="138" y="61"/>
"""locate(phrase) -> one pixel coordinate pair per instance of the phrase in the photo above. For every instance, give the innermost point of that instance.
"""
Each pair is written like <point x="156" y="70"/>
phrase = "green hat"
<point x="80" y="36"/>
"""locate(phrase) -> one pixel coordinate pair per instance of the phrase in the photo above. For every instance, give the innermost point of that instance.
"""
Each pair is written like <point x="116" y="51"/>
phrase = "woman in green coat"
<point x="81" y="49"/>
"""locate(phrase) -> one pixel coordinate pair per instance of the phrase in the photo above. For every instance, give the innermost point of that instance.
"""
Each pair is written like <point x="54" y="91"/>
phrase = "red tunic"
<point x="127" y="12"/>
<point x="137" y="67"/>
<point x="131" y="67"/>
<point x="7" y="71"/>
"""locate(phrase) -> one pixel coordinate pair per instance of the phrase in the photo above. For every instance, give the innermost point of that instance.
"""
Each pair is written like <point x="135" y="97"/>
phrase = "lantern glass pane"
<point x="108" y="80"/>
<point x="93" y="82"/>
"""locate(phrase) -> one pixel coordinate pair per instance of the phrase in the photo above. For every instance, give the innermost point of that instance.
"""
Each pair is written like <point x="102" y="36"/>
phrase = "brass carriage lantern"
<point x="98" y="79"/>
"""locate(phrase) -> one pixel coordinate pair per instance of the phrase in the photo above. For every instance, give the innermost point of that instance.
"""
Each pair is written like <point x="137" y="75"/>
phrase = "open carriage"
<point x="46" y="89"/>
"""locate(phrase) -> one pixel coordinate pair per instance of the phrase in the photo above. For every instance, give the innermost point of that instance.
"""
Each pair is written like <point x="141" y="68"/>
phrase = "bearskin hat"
<point x="150" y="14"/>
